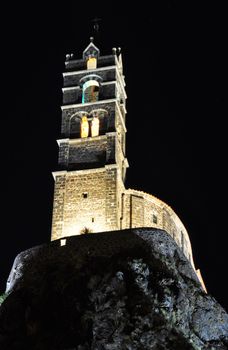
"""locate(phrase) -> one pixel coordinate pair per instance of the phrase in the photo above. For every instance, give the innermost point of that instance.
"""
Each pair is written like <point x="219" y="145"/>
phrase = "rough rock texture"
<point x="130" y="289"/>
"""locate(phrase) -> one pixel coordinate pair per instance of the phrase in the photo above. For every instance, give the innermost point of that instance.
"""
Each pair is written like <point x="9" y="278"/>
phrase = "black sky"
<point x="174" y="66"/>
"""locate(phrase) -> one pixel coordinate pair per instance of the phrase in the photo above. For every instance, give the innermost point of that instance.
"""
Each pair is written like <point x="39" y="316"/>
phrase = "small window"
<point x="62" y="242"/>
<point x="84" y="127"/>
<point x="85" y="194"/>
<point x="93" y="219"/>
<point x="95" y="127"/>
<point x="91" y="63"/>
<point x="155" y="219"/>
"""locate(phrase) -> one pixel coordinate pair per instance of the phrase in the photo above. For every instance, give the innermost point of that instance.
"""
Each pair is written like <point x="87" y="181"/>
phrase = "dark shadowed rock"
<point x="131" y="289"/>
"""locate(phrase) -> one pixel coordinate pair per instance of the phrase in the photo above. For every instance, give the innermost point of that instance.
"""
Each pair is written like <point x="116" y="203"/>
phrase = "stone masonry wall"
<point x="144" y="210"/>
<point x="58" y="205"/>
<point x="63" y="153"/>
<point x="84" y="202"/>
<point x="92" y="150"/>
<point x="137" y="212"/>
<point x="72" y="95"/>
<point x="112" y="221"/>
<point x="99" y="150"/>
<point x="85" y="199"/>
<point x="96" y="199"/>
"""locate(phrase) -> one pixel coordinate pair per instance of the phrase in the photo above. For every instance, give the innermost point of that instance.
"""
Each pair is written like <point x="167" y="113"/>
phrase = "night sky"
<point x="174" y="65"/>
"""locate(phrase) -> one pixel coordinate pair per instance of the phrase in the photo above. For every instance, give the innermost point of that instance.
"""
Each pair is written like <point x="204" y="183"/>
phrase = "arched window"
<point x="84" y="127"/>
<point x="102" y="116"/>
<point x="90" y="91"/>
<point x="91" y="63"/>
<point x="95" y="127"/>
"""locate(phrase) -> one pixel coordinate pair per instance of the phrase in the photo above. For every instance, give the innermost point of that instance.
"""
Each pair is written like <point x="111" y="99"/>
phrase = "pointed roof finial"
<point x="91" y="50"/>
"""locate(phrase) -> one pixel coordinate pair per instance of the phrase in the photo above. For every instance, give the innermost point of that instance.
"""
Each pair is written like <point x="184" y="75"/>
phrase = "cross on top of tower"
<point x="96" y="24"/>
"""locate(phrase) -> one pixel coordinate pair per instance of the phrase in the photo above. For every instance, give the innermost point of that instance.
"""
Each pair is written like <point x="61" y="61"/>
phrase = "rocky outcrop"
<point x="131" y="289"/>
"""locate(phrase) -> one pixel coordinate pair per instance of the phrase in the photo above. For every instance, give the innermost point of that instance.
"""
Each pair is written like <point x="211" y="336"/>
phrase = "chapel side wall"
<point x="153" y="214"/>
<point x="169" y="225"/>
<point x="144" y="210"/>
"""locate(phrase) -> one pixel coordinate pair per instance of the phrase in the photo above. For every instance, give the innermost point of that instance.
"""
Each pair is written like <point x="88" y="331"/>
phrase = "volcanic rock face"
<point x="131" y="289"/>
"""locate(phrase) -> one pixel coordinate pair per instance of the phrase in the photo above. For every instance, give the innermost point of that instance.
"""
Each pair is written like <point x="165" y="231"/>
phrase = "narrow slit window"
<point x="95" y="127"/>
<point x="91" y="63"/>
<point x="84" y="127"/>
<point x="155" y="219"/>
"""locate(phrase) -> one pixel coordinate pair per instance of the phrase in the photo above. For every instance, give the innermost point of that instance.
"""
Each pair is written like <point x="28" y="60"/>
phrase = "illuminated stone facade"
<point x="90" y="195"/>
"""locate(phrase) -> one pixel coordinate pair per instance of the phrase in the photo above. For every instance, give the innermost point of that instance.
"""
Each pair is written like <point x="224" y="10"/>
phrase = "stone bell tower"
<point x="90" y="182"/>
<point x="90" y="195"/>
